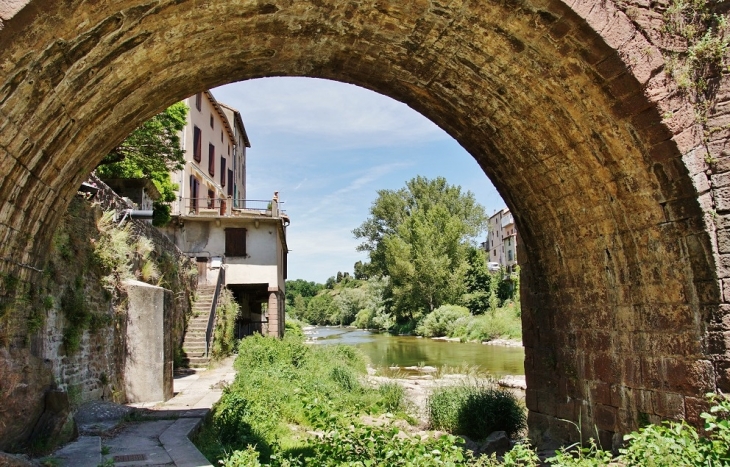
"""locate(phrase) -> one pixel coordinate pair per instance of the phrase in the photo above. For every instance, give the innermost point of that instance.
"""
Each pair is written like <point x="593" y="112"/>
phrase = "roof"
<point x="222" y="114"/>
<point x="239" y="122"/>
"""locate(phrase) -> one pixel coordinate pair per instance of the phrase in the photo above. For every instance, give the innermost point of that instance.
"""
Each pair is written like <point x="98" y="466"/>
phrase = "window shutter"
<point x="197" y="146"/>
<point x="236" y="242"/>
<point x="223" y="171"/>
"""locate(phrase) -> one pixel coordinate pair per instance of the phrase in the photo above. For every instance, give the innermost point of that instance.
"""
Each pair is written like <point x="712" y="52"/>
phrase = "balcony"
<point x="224" y="207"/>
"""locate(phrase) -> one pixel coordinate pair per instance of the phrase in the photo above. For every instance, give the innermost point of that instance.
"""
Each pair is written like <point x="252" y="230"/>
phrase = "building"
<point x="239" y="242"/>
<point x="501" y="244"/>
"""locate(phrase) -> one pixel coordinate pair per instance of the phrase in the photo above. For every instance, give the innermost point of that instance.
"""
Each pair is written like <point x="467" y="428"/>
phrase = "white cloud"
<point x="347" y="116"/>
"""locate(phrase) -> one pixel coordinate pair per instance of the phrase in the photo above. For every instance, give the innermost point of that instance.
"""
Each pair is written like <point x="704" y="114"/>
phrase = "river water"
<point x="385" y="350"/>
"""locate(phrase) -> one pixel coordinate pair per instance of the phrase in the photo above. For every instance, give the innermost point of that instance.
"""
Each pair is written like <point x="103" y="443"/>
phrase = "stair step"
<point x="198" y="361"/>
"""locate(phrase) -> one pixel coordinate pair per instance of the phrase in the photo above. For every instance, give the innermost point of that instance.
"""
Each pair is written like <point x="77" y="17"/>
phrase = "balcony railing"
<point x="226" y="207"/>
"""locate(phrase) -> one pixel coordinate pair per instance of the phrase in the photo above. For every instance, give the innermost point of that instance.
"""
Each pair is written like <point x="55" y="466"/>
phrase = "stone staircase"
<point x="194" y="342"/>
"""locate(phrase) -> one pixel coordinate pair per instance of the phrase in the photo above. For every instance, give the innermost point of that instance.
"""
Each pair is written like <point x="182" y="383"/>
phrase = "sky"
<point x="327" y="148"/>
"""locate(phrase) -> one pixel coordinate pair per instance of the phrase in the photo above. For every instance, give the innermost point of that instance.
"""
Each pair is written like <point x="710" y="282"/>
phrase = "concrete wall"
<point x="148" y="366"/>
<point x="263" y="263"/>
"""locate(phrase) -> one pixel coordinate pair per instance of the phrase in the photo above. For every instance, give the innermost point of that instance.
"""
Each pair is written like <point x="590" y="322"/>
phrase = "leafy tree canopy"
<point x="421" y="236"/>
<point x="151" y="152"/>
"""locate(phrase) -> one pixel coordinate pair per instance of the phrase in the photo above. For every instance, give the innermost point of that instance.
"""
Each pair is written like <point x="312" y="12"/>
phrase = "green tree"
<point x="477" y="282"/>
<point x="301" y="287"/>
<point x="420" y="236"/>
<point x="360" y="270"/>
<point x="321" y="309"/>
<point x="151" y="152"/>
<point x="392" y="207"/>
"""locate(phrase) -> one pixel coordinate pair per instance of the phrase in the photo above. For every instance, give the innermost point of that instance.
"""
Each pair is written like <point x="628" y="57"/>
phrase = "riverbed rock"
<point x="513" y="381"/>
<point x="504" y="342"/>
<point x="497" y="442"/>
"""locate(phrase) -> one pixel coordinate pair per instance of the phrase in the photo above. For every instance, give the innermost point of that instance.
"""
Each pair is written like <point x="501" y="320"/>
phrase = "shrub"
<point x="475" y="411"/>
<point x="441" y="321"/>
<point x="293" y="327"/>
<point x="345" y="377"/>
<point x="393" y="396"/>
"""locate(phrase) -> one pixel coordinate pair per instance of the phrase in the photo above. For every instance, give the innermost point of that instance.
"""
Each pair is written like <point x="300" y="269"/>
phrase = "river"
<point x="385" y="350"/>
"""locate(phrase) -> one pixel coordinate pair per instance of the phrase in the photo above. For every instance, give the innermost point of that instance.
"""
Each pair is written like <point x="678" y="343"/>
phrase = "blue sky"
<point x="327" y="147"/>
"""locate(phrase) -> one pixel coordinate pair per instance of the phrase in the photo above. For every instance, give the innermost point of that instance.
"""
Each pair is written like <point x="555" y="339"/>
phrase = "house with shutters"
<point x="237" y="243"/>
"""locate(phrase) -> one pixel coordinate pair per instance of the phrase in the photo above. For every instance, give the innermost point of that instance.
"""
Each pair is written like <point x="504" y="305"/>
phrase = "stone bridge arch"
<point x="566" y="105"/>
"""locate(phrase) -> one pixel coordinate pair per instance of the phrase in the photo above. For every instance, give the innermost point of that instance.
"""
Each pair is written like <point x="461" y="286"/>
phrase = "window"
<point x="221" y="136"/>
<point x="211" y="199"/>
<point x="199" y="101"/>
<point x="230" y="183"/>
<point x="197" y="148"/>
<point x="194" y="194"/>
<point x="236" y="242"/>
<point x="211" y="120"/>
<point x="223" y="171"/>
<point x="509" y="255"/>
<point x="211" y="159"/>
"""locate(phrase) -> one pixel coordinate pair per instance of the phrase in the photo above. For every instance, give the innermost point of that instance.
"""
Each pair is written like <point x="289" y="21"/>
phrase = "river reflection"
<point x="403" y="351"/>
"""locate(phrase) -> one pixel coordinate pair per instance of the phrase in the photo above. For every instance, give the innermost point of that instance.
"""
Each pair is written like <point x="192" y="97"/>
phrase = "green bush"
<point x="441" y="321"/>
<point x="293" y="327"/>
<point x="394" y="397"/>
<point x="475" y="411"/>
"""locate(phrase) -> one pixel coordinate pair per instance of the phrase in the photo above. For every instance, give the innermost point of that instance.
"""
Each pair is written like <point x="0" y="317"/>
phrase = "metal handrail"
<point x="213" y="309"/>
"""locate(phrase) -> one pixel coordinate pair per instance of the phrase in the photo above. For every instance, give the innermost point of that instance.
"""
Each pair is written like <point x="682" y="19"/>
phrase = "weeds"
<point x="224" y="339"/>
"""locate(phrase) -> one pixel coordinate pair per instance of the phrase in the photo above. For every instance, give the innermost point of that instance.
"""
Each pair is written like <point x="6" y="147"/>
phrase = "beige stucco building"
<point x="501" y="244"/>
<point x="214" y="223"/>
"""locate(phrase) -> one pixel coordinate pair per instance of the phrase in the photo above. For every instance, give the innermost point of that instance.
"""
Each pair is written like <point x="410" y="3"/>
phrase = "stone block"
<point x="722" y="370"/>
<point x="605" y="417"/>
<point x="693" y="408"/>
<point x="601" y="393"/>
<point x="669" y="405"/>
<point x="690" y="377"/>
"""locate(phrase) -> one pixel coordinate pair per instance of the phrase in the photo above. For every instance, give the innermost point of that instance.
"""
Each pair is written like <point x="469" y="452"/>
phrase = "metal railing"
<point x="226" y="206"/>
<point x="213" y="307"/>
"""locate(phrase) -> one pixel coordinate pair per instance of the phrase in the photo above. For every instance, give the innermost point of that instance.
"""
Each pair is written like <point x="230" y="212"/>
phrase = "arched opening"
<point x="557" y="104"/>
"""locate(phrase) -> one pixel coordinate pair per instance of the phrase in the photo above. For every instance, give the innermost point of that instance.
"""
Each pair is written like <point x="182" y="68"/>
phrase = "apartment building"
<point x="236" y="242"/>
<point x="501" y="244"/>
<point x="215" y="143"/>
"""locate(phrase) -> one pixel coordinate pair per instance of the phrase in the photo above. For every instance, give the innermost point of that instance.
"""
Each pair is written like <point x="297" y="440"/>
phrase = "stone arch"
<point x="565" y="105"/>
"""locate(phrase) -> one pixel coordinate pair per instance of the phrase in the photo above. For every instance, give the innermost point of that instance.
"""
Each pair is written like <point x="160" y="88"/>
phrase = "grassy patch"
<point x="286" y="383"/>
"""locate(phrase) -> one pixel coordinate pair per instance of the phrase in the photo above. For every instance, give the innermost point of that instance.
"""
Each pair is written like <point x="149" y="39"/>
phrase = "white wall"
<point x="263" y="263"/>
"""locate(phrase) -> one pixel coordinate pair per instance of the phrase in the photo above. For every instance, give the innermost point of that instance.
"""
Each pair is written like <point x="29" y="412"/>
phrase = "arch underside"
<point x="619" y="281"/>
